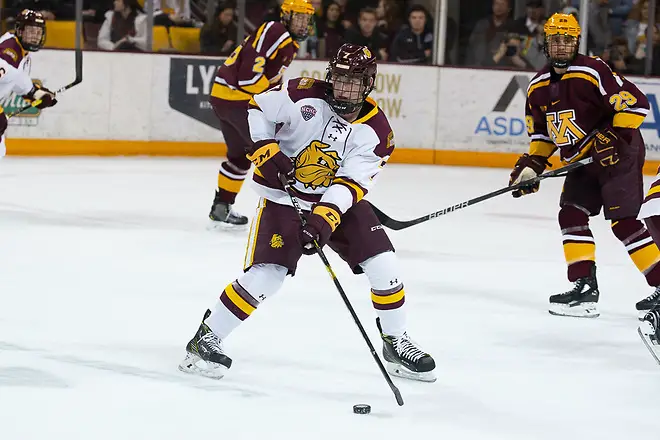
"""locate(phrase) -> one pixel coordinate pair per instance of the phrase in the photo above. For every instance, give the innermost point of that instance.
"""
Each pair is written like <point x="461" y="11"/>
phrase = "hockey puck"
<point x="361" y="409"/>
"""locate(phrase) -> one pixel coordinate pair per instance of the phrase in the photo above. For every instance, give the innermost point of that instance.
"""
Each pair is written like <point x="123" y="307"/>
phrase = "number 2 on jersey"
<point x="259" y="62"/>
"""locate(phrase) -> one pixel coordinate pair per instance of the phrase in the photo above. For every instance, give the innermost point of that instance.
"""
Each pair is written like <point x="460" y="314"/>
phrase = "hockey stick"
<point x="76" y="81"/>
<point x="388" y="379"/>
<point x="397" y="225"/>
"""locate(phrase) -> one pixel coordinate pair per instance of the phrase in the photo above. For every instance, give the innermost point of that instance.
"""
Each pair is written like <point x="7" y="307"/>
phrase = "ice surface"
<point x="106" y="269"/>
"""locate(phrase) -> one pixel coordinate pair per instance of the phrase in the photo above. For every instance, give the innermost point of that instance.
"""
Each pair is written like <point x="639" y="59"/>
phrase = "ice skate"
<point x="649" y="331"/>
<point x="580" y="302"/>
<point x="223" y="217"/>
<point x="204" y="354"/>
<point x="404" y="358"/>
<point x="648" y="303"/>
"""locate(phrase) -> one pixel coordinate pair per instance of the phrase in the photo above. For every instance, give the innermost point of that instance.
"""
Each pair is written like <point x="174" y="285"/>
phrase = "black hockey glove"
<point x="323" y="220"/>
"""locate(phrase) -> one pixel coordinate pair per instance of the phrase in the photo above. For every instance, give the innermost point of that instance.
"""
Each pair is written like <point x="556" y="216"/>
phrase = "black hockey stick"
<point x="388" y="379"/>
<point x="78" y="80"/>
<point x="397" y="225"/>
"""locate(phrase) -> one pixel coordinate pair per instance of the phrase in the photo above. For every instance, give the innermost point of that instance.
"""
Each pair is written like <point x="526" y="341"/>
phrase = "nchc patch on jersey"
<point x="336" y="161"/>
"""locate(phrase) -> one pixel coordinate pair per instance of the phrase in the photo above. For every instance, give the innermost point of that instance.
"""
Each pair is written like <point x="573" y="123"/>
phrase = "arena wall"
<point x="155" y="104"/>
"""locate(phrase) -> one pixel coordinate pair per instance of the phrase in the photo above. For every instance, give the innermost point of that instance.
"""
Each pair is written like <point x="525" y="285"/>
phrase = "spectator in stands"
<point x="637" y="23"/>
<point x="94" y="10"/>
<point x="50" y="9"/>
<point x="219" y="36"/>
<point x="414" y="42"/>
<point x="367" y="35"/>
<point x="274" y="11"/>
<point x="533" y="48"/>
<point x="175" y="13"/>
<point x="531" y="22"/>
<point x="612" y="12"/>
<point x="619" y="58"/>
<point x="390" y="18"/>
<point x="489" y="36"/>
<point x="124" y="28"/>
<point x="331" y="31"/>
<point x="509" y="53"/>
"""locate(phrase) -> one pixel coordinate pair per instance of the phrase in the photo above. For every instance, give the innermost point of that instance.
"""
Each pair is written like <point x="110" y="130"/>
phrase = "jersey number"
<point x="622" y="100"/>
<point x="259" y="62"/>
<point x="562" y="128"/>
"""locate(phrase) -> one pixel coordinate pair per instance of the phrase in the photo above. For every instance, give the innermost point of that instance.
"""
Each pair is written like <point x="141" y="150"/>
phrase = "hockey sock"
<point x="242" y="297"/>
<point x="578" y="241"/>
<point x="387" y="294"/>
<point x="640" y="246"/>
<point x="230" y="181"/>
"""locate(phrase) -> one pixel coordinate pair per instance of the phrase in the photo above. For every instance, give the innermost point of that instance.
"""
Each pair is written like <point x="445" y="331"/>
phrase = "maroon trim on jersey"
<point x="301" y="88"/>
<point x="12" y="52"/>
<point x="381" y="126"/>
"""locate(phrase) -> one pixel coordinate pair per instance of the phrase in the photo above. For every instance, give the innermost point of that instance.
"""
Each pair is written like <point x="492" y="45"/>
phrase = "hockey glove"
<point x="604" y="146"/>
<point x="527" y="168"/>
<point x="271" y="163"/>
<point x="42" y="94"/>
<point x="321" y="223"/>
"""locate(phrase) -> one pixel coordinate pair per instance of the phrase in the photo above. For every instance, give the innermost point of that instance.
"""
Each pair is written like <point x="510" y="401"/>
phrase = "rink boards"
<point x="156" y="104"/>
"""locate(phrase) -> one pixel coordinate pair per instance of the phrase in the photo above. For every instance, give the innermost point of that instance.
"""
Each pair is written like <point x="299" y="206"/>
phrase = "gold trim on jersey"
<point x="258" y="87"/>
<point x="581" y="75"/>
<point x="259" y="32"/>
<point x="369" y="115"/>
<point x="542" y="148"/>
<point x="627" y="120"/>
<point x="359" y="192"/>
<point x="223" y="92"/>
<point x="537" y="85"/>
<point x="652" y="190"/>
<point x="284" y="43"/>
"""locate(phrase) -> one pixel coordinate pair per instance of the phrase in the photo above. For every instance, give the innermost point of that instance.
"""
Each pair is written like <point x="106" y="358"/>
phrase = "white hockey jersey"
<point x="14" y="67"/>
<point x="335" y="161"/>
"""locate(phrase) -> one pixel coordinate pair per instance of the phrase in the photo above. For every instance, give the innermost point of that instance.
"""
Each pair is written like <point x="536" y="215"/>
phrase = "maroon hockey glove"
<point x="42" y="94"/>
<point x="323" y="220"/>
<point x="527" y="168"/>
<point x="271" y="163"/>
<point x="604" y="147"/>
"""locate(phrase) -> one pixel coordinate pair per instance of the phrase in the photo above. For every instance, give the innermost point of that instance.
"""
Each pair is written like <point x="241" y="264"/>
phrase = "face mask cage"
<point x="561" y="49"/>
<point x="348" y="91"/>
<point x="299" y="25"/>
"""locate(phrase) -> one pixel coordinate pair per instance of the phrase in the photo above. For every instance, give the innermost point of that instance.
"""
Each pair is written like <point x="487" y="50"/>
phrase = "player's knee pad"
<point x="263" y="280"/>
<point x="382" y="271"/>
<point x="572" y="216"/>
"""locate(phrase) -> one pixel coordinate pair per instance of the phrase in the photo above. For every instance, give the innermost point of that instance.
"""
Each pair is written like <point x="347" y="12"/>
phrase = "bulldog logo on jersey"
<point x="276" y="241"/>
<point x="307" y="112"/>
<point x="316" y="167"/>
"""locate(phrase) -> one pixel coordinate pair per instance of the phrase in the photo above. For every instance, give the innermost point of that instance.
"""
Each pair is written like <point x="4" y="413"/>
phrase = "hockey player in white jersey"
<point x="330" y="141"/>
<point x="28" y="36"/>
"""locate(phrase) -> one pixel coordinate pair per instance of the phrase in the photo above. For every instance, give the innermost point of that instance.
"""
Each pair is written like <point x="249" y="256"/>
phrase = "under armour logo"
<point x="262" y="297"/>
<point x="394" y="282"/>
<point x="334" y="138"/>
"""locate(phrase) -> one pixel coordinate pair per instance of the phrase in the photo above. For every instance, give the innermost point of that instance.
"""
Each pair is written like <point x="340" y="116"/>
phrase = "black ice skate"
<point x="649" y="331"/>
<point x="204" y="354"/>
<point x="223" y="216"/>
<point x="579" y="302"/>
<point x="648" y="303"/>
<point x="404" y="358"/>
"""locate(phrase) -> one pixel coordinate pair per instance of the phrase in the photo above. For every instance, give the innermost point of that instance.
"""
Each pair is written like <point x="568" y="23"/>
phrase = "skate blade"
<point x="194" y="364"/>
<point x="401" y="371"/>
<point x="584" y="310"/>
<point x="645" y="331"/>
<point x="224" y="226"/>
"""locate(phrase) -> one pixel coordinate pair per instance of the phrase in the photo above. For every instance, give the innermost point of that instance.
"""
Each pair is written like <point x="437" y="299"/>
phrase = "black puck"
<point x="361" y="408"/>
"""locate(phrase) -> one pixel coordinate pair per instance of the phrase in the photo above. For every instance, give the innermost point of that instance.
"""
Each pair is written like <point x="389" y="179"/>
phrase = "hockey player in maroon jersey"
<point x="578" y="105"/>
<point x="252" y="68"/>
<point x="332" y="143"/>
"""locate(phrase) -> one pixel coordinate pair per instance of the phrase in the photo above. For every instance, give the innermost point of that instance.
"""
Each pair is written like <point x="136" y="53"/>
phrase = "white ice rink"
<point x="106" y="269"/>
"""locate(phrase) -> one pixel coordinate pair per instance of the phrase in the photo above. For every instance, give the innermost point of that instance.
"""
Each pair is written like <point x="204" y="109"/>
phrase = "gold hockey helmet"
<point x="562" y="39"/>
